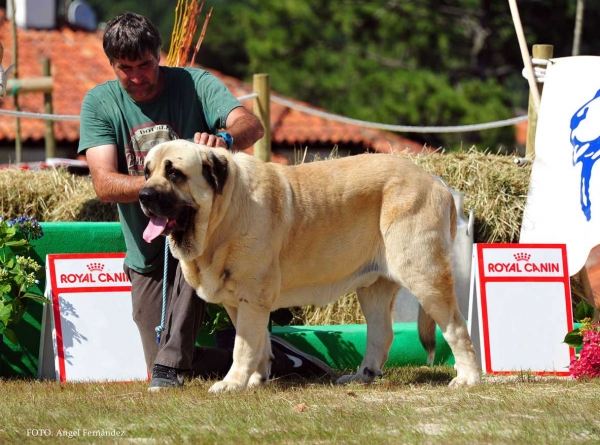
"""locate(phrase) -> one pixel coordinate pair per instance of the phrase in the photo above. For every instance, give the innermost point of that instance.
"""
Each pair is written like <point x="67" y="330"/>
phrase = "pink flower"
<point x="587" y="362"/>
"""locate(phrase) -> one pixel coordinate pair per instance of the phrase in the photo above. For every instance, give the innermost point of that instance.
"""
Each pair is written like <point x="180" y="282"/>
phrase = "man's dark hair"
<point x="131" y="36"/>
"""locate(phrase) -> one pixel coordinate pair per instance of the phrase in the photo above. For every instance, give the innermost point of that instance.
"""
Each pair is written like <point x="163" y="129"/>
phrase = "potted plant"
<point x="19" y="272"/>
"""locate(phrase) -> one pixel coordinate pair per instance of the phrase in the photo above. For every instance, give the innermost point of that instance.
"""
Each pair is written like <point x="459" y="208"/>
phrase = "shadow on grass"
<point x="438" y="376"/>
<point x="421" y="375"/>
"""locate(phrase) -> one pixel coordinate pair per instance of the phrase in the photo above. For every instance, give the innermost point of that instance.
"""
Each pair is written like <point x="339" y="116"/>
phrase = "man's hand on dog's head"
<point x="209" y="140"/>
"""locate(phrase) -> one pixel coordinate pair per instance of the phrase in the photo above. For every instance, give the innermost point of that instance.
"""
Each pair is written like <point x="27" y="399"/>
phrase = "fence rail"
<point x="262" y="97"/>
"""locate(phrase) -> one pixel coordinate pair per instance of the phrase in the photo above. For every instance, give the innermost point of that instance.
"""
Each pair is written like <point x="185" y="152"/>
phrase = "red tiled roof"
<point x="78" y="64"/>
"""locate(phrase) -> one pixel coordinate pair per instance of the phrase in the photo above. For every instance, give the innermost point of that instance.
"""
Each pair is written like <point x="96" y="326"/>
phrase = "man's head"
<point x="132" y="44"/>
<point x="131" y="36"/>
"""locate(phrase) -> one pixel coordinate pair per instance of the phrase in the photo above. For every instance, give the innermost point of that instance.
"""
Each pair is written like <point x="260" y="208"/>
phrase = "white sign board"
<point x="523" y="308"/>
<point x="94" y="337"/>
<point x="563" y="202"/>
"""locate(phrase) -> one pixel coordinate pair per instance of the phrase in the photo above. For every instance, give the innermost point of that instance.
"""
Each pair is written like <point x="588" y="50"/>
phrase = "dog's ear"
<point x="215" y="170"/>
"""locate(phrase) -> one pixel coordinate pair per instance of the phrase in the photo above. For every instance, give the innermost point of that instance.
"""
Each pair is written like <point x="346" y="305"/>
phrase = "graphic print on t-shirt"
<point x="141" y="141"/>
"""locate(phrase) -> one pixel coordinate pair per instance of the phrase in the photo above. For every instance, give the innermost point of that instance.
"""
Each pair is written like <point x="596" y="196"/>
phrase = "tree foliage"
<point x="404" y="62"/>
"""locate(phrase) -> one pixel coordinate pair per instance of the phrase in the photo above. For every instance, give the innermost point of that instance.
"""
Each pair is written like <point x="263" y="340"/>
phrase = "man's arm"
<point x="243" y="126"/>
<point x="110" y="185"/>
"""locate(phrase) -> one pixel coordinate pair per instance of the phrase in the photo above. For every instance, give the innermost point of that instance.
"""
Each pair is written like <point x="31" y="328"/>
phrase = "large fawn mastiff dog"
<point x="258" y="236"/>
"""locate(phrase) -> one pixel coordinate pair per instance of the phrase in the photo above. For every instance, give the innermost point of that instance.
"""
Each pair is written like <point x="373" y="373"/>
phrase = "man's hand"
<point x="210" y="140"/>
<point x="243" y="126"/>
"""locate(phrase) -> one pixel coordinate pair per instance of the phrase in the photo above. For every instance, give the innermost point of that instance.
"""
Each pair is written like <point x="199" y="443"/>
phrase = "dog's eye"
<point x="146" y="173"/>
<point x="174" y="175"/>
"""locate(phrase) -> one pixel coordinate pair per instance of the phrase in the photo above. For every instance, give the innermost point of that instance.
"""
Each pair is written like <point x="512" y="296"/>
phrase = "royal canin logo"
<point x="95" y="267"/>
<point x="523" y="264"/>
<point x="95" y="275"/>
<point x="522" y="256"/>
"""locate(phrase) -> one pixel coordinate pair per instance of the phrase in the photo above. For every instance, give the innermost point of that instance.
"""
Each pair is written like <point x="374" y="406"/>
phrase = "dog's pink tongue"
<point x="156" y="226"/>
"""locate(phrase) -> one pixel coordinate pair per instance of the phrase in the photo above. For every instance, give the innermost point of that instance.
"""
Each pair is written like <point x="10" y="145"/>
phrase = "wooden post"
<point x="15" y="70"/>
<point x="539" y="52"/>
<point x="31" y="85"/>
<point x="578" y="26"/>
<point x="49" y="134"/>
<point x="262" y="108"/>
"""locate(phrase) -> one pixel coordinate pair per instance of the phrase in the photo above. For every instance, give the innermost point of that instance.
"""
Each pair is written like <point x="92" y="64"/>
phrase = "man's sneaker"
<point x="300" y="363"/>
<point x="164" y="377"/>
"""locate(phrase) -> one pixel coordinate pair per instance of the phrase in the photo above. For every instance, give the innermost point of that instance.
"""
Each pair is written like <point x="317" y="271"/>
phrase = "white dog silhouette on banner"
<point x="563" y="203"/>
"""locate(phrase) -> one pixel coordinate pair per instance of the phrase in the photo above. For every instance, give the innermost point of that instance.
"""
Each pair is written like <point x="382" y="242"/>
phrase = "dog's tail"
<point x="426" y="327"/>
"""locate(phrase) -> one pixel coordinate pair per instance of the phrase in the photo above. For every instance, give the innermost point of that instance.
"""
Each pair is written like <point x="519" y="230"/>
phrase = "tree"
<point x="408" y="62"/>
<point x="397" y="62"/>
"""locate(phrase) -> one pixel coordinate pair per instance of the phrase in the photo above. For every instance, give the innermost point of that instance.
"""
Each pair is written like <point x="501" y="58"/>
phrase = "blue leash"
<point x="161" y="328"/>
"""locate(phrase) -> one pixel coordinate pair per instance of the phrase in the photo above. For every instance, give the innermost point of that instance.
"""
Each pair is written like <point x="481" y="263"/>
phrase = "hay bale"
<point x="51" y="195"/>
<point x="494" y="186"/>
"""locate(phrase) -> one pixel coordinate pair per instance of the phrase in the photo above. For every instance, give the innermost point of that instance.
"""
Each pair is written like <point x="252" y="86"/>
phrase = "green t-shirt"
<point x="110" y="116"/>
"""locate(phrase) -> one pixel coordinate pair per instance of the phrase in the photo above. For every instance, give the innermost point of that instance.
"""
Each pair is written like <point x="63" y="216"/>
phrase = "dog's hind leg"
<point x="418" y="242"/>
<point x="375" y="302"/>
<point x="433" y="287"/>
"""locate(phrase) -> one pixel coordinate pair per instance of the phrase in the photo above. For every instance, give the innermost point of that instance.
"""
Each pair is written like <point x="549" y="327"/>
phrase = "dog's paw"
<point x="367" y="375"/>
<point x="257" y="379"/>
<point x="349" y="378"/>
<point x="469" y="379"/>
<point x="225" y="386"/>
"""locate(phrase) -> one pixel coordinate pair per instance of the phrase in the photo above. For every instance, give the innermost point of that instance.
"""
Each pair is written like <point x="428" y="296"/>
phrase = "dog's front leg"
<point x="250" y="363"/>
<point x="260" y="377"/>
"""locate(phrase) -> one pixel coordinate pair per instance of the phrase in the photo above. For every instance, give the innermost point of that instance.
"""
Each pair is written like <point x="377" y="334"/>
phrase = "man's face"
<point x="140" y="78"/>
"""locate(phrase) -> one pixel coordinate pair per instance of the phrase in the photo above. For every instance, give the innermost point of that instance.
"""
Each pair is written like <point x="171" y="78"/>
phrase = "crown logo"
<point x="95" y="267"/>
<point x="522" y="256"/>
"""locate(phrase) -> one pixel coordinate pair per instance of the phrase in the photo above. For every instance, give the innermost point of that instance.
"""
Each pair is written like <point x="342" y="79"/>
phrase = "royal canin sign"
<point x="526" y="262"/>
<point x="85" y="272"/>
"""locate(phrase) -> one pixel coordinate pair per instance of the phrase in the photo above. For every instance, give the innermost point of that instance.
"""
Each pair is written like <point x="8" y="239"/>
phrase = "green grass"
<point x="409" y="405"/>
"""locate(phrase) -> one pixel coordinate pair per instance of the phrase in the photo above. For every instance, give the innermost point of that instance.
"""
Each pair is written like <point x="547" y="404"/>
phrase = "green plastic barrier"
<point x="343" y="346"/>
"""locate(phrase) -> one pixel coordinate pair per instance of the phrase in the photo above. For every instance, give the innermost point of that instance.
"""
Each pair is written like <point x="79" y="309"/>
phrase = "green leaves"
<point x="574" y="339"/>
<point x="218" y="319"/>
<point x="582" y="311"/>
<point x="9" y="333"/>
<point x="18" y="272"/>
<point x="583" y="314"/>
<point x="5" y="312"/>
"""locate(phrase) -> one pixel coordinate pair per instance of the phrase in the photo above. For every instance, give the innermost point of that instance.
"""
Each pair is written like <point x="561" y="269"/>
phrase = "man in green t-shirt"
<point x="121" y="120"/>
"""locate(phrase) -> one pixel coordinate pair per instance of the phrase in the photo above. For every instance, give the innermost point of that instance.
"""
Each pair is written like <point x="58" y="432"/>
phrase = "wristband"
<point x="227" y="138"/>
